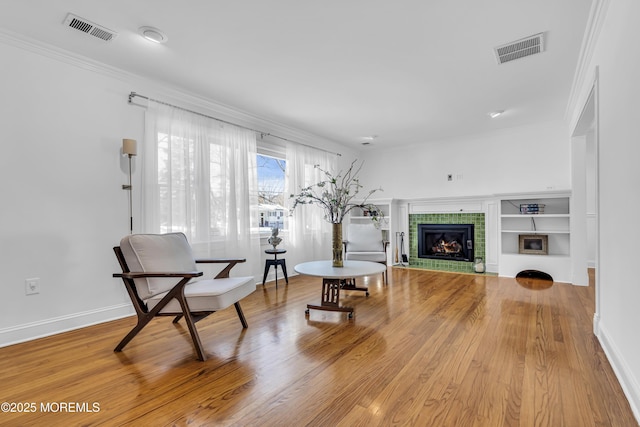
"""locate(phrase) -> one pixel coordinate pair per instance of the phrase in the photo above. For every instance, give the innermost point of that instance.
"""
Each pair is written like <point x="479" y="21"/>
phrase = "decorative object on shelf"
<point x="536" y="244"/>
<point x="369" y="212"/>
<point x="274" y="240"/>
<point x="478" y="265"/>
<point x="531" y="208"/>
<point x="335" y="195"/>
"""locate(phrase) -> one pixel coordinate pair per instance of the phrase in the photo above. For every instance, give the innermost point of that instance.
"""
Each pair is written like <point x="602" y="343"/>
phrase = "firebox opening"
<point x="446" y="241"/>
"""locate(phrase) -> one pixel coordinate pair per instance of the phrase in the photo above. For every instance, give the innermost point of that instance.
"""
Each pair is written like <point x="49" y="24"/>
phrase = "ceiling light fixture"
<point x="496" y="113"/>
<point x="367" y="140"/>
<point x="153" y="34"/>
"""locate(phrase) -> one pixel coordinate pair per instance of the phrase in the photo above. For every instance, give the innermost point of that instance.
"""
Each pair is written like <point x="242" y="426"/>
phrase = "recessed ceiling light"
<point x="153" y="34"/>
<point x="496" y="113"/>
<point x="367" y="140"/>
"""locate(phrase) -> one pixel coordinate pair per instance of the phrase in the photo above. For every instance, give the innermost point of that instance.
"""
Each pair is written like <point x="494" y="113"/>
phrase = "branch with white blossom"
<point x="335" y="195"/>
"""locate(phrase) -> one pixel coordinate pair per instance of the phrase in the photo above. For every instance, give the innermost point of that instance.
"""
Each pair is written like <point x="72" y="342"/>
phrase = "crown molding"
<point x="597" y="17"/>
<point x="40" y="48"/>
<point x="172" y="94"/>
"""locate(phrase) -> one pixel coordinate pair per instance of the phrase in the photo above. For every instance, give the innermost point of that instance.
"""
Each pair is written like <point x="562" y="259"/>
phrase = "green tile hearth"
<point x="477" y="219"/>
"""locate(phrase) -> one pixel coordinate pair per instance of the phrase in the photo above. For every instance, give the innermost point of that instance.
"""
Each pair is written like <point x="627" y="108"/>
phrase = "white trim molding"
<point x="172" y="94"/>
<point x="620" y="367"/>
<point x="594" y="24"/>
<point x="57" y="325"/>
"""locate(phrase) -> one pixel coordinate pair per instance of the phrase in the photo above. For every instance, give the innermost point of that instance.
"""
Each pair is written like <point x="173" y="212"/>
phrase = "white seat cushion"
<point x="208" y="294"/>
<point x="366" y="256"/>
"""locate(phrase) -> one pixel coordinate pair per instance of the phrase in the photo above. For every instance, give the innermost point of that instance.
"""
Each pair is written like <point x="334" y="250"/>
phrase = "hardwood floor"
<point x="428" y="349"/>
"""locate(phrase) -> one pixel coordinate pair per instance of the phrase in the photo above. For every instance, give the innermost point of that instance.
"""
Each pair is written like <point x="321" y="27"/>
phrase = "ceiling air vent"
<point x="88" y="27"/>
<point x="520" y="48"/>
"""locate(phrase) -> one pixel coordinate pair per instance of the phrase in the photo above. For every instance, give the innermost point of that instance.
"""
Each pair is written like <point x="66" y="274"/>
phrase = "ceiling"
<point x="407" y="71"/>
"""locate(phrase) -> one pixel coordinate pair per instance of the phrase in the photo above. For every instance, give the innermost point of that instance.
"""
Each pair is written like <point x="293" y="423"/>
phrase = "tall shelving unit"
<point x="554" y="222"/>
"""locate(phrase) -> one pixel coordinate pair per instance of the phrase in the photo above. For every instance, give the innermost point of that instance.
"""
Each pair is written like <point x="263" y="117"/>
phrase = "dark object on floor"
<point x="534" y="279"/>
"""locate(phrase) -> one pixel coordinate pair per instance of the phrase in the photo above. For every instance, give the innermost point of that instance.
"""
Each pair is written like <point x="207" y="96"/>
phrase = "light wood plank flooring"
<point x="428" y="349"/>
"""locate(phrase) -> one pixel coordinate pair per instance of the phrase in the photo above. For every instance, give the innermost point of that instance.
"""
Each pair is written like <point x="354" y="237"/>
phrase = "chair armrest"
<point x="225" y="271"/>
<point x="138" y="275"/>
<point x="385" y="243"/>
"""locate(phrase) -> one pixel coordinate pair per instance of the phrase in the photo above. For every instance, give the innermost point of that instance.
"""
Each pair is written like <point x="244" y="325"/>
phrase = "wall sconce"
<point x="129" y="149"/>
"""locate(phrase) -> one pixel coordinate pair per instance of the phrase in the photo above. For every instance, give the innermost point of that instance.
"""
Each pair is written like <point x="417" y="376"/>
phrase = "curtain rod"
<point x="262" y="134"/>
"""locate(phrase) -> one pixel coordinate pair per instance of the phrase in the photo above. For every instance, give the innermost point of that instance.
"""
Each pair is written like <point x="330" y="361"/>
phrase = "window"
<point x="271" y="197"/>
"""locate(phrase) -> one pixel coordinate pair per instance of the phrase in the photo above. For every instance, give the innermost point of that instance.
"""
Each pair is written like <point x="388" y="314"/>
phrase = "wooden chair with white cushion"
<point x="160" y="275"/>
<point x="365" y="243"/>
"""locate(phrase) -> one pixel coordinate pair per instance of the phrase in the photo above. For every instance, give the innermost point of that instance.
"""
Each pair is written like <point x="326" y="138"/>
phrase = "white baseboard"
<point x="491" y="268"/>
<point x="56" y="325"/>
<point x="629" y="384"/>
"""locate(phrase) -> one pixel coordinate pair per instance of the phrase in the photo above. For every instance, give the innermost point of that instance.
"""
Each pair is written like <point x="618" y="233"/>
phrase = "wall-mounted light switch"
<point x="450" y="177"/>
<point x="32" y="286"/>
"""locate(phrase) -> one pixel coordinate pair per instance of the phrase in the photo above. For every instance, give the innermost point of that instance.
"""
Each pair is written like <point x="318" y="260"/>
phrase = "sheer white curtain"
<point x="309" y="233"/>
<point x="199" y="177"/>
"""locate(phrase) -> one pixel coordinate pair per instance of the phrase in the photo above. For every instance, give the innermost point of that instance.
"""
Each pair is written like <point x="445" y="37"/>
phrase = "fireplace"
<point x="446" y="241"/>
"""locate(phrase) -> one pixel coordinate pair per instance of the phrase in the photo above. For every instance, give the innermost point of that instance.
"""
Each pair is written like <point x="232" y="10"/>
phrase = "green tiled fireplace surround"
<point x="477" y="219"/>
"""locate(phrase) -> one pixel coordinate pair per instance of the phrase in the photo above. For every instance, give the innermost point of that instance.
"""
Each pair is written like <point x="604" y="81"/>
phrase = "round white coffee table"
<point x="334" y="279"/>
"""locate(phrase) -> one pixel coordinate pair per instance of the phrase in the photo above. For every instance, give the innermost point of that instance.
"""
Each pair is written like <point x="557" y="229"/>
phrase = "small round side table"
<point x="275" y="262"/>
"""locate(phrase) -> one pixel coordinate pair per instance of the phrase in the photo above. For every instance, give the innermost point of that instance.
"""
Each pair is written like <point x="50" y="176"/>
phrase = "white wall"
<point x="609" y="56"/>
<point x="524" y="159"/>
<point x="63" y="206"/>
<point x="63" y="209"/>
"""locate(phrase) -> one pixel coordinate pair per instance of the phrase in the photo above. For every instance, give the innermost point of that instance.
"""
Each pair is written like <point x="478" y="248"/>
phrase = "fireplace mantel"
<point x="450" y="206"/>
<point x="487" y="205"/>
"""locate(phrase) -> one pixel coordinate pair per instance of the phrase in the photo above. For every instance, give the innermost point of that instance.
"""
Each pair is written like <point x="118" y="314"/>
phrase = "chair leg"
<point x="177" y="318"/>
<point x="241" y="315"/>
<point x="196" y="338"/>
<point x="192" y="328"/>
<point x="142" y="322"/>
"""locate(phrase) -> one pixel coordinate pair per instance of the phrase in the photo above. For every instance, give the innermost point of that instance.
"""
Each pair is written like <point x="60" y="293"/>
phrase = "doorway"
<point x="584" y="209"/>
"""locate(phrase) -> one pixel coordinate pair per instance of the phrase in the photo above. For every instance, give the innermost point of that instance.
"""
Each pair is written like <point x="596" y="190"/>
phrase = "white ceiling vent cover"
<point x="88" y="27"/>
<point x="520" y="48"/>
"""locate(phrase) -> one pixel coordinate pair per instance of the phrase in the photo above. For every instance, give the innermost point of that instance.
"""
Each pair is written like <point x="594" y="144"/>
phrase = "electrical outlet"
<point x="32" y="286"/>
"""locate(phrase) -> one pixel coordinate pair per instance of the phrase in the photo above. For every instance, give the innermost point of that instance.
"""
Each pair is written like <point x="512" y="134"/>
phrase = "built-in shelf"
<point x="537" y="231"/>
<point x="553" y="221"/>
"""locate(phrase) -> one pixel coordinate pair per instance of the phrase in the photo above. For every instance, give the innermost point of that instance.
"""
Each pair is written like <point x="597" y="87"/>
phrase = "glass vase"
<point x="337" y="245"/>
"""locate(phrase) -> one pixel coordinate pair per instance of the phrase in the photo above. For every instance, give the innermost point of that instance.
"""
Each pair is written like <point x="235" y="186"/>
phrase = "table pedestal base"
<point x="335" y="279"/>
<point x="350" y="285"/>
<point x="331" y="295"/>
